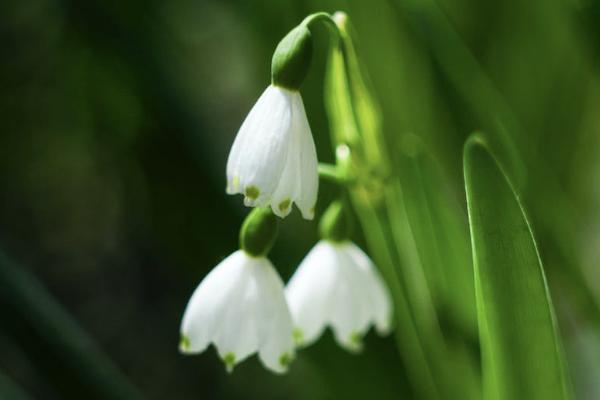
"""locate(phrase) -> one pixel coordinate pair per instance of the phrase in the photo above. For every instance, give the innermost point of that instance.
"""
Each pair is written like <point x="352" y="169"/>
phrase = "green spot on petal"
<point x="356" y="340"/>
<point x="235" y="182"/>
<point x="229" y="360"/>
<point x="184" y="343"/>
<point x="298" y="336"/>
<point x="284" y="205"/>
<point x="285" y="359"/>
<point x="252" y="192"/>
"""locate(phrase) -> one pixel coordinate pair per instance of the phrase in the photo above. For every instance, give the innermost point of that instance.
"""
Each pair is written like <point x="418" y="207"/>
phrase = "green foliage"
<point x="521" y="351"/>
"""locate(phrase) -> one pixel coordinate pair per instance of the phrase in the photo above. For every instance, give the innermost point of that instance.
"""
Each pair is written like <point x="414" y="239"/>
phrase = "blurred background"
<point x="116" y="118"/>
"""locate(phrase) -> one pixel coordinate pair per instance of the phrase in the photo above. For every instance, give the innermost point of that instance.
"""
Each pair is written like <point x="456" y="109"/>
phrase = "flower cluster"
<point x="242" y="305"/>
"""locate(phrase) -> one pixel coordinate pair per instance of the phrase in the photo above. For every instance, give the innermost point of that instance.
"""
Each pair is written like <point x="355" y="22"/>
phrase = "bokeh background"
<point x="116" y="118"/>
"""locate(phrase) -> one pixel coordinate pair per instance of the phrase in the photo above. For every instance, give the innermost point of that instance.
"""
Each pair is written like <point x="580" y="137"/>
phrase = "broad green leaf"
<point x="521" y="351"/>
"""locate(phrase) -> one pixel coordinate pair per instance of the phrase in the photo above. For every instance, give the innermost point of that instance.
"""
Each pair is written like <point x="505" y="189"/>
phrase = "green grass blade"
<point x="441" y="235"/>
<point x="521" y="351"/>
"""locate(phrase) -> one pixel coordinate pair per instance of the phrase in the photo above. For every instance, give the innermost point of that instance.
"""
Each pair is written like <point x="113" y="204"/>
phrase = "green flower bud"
<point x="291" y="58"/>
<point x="258" y="232"/>
<point x="336" y="224"/>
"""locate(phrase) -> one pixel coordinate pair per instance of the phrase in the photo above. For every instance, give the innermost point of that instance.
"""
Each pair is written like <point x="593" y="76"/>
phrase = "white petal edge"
<point x="199" y="320"/>
<point x="379" y="292"/>
<point x="238" y="332"/>
<point x="277" y="350"/>
<point x="337" y="285"/>
<point x="258" y="154"/>
<point x="350" y="307"/>
<point x="309" y="293"/>
<point x="309" y="174"/>
<point x="240" y="307"/>
<point x="288" y="187"/>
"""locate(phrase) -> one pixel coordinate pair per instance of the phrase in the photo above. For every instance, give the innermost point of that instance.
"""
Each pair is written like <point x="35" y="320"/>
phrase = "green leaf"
<point x="521" y="350"/>
<point x="441" y="236"/>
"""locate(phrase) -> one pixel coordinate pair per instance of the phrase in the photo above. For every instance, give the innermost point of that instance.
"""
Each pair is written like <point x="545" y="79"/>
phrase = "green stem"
<point x="333" y="173"/>
<point x="324" y="17"/>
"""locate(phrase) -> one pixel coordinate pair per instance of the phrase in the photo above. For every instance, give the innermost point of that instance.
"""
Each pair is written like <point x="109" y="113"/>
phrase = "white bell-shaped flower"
<point x="273" y="158"/>
<point x="337" y="285"/>
<point x="240" y="307"/>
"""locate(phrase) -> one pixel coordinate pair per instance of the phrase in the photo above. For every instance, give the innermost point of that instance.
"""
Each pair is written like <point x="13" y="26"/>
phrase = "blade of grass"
<point x="521" y="351"/>
<point x="494" y="114"/>
<point x="441" y="238"/>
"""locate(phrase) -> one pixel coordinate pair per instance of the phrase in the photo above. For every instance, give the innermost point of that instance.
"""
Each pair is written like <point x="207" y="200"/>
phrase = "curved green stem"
<point x="333" y="173"/>
<point x="327" y="19"/>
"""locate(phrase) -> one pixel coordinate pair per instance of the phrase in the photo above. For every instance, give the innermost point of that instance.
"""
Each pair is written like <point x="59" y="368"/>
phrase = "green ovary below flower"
<point x="337" y="285"/>
<point x="240" y="307"/>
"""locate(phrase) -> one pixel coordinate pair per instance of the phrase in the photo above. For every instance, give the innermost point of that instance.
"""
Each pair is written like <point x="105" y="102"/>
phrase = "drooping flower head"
<point x="241" y="309"/>
<point x="240" y="305"/>
<point x="337" y="285"/>
<point x="273" y="160"/>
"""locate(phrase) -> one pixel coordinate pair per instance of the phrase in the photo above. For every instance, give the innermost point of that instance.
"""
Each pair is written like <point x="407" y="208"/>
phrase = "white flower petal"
<point x="379" y="293"/>
<point x="337" y="285"/>
<point x="208" y="302"/>
<point x="310" y="290"/>
<point x="351" y="315"/>
<point x="309" y="175"/>
<point x="277" y="349"/>
<point x="258" y="154"/>
<point x="240" y="307"/>
<point x="238" y="334"/>
<point x="288" y="187"/>
<point x="273" y="158"/>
